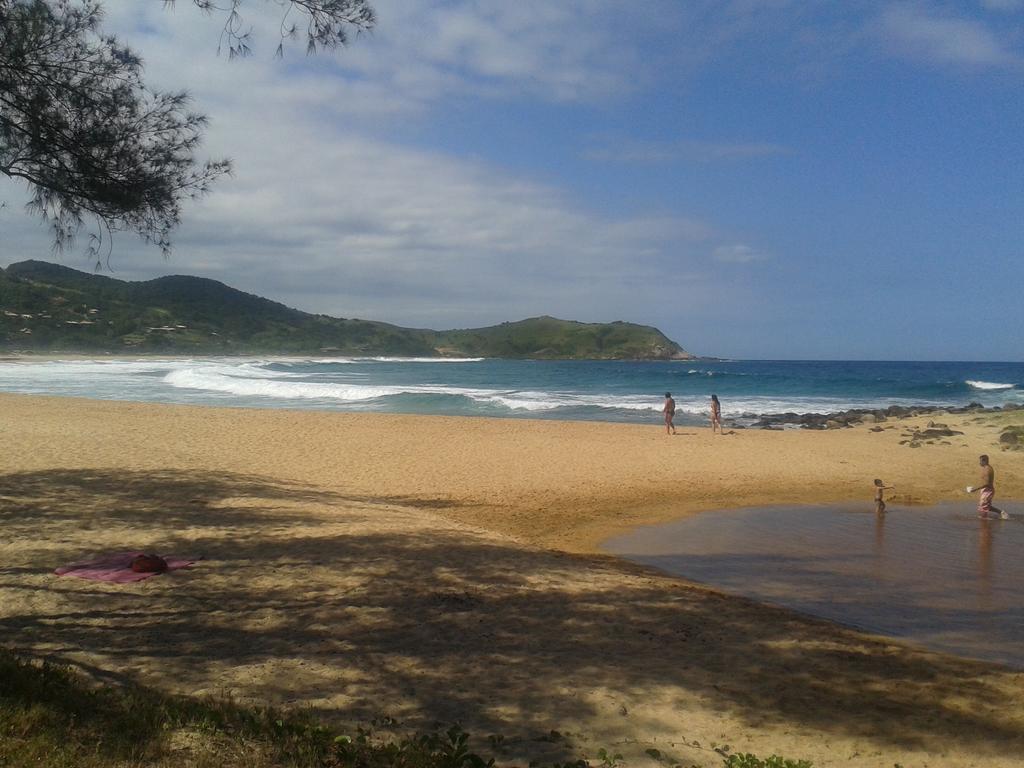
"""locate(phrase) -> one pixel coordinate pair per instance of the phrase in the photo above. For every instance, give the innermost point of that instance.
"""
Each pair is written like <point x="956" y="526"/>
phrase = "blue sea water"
<point x="590" y="390"/>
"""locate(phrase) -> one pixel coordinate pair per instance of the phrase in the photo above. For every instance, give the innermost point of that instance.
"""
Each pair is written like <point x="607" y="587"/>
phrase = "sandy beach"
<point x="433" y="569"/>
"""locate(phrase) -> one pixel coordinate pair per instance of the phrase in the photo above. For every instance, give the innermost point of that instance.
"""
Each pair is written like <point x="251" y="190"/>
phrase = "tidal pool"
<point x="937" y="576"/>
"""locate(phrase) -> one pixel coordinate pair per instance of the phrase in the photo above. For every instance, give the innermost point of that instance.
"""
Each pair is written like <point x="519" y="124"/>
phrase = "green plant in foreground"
<point x="774" y="761"/>
<point x="433" y="750"/>
<point x="608" y="760"/>
<point x="51" y="717"/>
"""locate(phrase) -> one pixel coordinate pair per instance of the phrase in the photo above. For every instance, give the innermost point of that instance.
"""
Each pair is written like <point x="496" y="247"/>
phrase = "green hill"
<point x="49" y="307"/>
<point x="549" y="337"/>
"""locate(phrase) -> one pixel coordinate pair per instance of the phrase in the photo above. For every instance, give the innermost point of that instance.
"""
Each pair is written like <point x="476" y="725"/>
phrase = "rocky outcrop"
<point x="845" y="419"/>
<point x="1012" y="438"/>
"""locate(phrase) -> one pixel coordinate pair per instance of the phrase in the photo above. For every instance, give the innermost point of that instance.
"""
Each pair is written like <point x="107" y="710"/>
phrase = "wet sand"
<point x="438" y="569"/>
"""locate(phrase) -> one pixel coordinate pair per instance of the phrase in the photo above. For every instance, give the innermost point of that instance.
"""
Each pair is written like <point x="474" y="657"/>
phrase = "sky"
<point x="773" y="179"/>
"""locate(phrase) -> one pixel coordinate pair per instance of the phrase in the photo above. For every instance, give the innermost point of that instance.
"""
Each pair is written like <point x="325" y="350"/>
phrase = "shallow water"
<point x="937" y="576"/>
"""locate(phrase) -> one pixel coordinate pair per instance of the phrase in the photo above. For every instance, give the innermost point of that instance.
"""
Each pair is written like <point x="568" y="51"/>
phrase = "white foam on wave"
<point x="241" y="382"/>
<point x="757" y="405"/>
<point x="379" y="359"/>
<point x="44" y="368"/>
<point x="252" y="381"/>
<point x="254" y="366"/>
<point x="213" y="379"/>
<point x="988" y="385"/>
<point x="313" y="360"/>
<point x="235" y="381"/>
<point x="547" y="401"/>
<point x="419" y="359"/>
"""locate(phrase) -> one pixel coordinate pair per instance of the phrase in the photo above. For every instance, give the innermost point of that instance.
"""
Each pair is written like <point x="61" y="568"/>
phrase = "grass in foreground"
<point x="51" y="717"/>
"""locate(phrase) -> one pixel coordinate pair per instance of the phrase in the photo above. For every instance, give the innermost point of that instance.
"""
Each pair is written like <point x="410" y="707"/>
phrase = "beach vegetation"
<point x="609" y="759"/>
<point x="53" y="717"/>
<point x="747" y="760"/>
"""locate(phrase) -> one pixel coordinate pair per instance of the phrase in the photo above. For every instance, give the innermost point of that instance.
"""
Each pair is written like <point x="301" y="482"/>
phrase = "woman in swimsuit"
<point x="716" y="414"/>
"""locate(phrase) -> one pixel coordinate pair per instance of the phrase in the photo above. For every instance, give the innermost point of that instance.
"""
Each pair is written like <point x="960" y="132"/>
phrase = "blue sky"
<point x="758" y="178"/>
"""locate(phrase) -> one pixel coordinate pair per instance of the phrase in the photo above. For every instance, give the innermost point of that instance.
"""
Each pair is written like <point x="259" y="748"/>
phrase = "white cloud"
<point x="737" y="254"/>
<point x="919" y="33"/>
<point x="422" y="51"/>
<point x="657" y="152"/>
<point x="1003" y="6"/>
<point x="430" y="238"/>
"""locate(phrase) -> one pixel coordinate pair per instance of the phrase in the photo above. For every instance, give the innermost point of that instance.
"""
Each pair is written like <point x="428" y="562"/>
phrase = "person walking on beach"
<point x="988" y="491"/>
<point x="716" y="415"/>
<point x="880" y="489"/>
<point x="670" y="413"/>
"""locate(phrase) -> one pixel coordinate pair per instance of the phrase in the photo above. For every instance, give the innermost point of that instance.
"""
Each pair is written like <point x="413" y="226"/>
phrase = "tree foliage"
<point x="327" y="22"/>
<point x="79" y="125"/>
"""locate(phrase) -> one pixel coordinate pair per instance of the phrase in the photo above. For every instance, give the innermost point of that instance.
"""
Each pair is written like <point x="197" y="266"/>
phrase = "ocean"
<point x="586" y="390"/>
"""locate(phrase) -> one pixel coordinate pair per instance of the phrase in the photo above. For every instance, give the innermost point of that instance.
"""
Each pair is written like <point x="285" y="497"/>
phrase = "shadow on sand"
<point x="433" y="623"/>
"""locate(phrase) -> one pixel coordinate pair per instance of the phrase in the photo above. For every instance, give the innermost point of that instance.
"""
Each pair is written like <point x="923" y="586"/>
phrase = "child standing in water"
<point x="716" y="414"/>
<point x="880" y="489"/>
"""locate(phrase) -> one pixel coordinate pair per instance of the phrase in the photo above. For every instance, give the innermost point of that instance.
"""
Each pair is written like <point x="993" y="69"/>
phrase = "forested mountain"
<point x="50" y="307"/>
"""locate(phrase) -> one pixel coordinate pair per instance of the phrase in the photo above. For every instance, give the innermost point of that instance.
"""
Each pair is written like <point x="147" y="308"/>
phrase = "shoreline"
<point x="371" y="564"/>
<point x="768" y="420"/>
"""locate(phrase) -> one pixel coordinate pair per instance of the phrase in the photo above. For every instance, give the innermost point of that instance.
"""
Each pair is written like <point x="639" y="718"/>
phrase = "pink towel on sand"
<point x="116" y="567"/>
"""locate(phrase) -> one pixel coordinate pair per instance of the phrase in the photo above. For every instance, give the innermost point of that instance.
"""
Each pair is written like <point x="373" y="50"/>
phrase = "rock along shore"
<point x="855" y="416"/>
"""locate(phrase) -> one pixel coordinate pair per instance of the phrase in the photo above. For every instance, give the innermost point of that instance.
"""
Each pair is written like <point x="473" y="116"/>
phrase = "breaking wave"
<point x="988" y="385"/>
<point x="240" y="381"/>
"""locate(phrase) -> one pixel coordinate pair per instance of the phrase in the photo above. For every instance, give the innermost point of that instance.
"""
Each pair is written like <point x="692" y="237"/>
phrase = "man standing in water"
<point x="670" y="413"/>
<point x="988" y="490"/>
